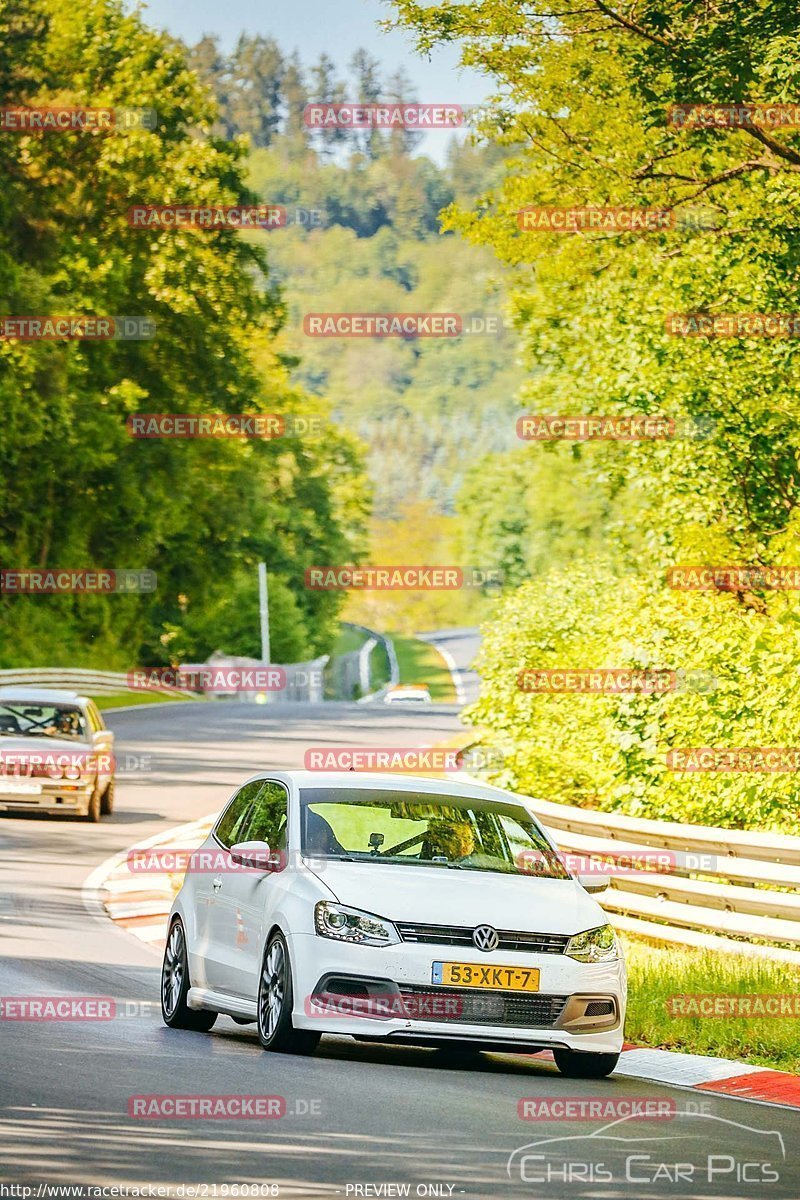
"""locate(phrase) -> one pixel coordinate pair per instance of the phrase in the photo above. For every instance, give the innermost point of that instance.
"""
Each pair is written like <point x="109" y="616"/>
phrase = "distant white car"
<point x="56" y="754"/>
<point x="408" y="694"/>
<point x="393" y="909"/>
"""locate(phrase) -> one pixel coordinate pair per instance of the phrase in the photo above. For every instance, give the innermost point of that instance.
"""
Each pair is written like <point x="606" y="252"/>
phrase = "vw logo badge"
<point x="485" y="938"/>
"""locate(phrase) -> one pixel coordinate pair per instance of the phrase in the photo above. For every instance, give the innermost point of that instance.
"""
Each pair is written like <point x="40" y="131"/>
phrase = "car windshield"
<point x="425" y="829"/>
<point x="24" y="719"/>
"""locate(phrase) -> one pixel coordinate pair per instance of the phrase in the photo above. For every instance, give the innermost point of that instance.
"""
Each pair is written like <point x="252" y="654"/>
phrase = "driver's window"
<point x="233" y="819"/>
<point x="268" y="816"/>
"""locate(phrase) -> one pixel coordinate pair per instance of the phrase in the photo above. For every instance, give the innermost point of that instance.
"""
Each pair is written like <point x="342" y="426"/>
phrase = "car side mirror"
<point x="253" y="854"/>
<point x="593" y="883"/>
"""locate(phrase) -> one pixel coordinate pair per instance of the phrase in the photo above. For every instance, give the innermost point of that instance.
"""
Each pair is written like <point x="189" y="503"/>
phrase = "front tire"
<point x="275" y="1003"/>
<point x="577" y="1064"/>
<point x="107" y="803"/>
<point x="175" y="986"/>
<point x="93" y="811"/>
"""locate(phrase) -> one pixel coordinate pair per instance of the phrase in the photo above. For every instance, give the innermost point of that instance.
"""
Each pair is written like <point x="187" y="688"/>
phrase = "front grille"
<point x="470" y="1006"/>
<point x="461" y="935"/>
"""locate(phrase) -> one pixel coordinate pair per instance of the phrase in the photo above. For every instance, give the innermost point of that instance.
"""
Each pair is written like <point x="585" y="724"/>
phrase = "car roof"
<point x="395" y="782"/>
<point x="41" y="695"/>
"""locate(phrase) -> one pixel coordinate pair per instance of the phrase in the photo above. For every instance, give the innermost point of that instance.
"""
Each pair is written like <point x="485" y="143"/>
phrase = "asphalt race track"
<point x="360" y="1120"/>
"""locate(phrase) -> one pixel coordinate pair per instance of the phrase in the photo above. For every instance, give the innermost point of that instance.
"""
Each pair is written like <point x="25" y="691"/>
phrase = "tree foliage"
<point x="77" y="490"/>
<point x="583" y="94"/>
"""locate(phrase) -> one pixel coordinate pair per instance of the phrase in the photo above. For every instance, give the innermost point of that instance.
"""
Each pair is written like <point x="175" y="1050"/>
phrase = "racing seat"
<point x="320" y="838"/>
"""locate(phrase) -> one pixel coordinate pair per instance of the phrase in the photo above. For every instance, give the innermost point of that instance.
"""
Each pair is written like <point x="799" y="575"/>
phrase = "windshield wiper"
<point x="331" y="857"/>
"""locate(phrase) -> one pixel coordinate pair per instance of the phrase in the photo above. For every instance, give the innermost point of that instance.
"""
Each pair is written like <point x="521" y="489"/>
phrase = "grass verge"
<point x="123" y="699"/>
<point x="657" y="973"/>
<point x="347" y="641"/>
<point x="420" y="662"/>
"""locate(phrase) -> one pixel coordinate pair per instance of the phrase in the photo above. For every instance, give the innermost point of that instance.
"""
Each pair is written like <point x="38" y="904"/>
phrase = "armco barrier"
<point x="736" y="889"/>
<point x="723" y="895"/>
<point x="74" y="679"/>
<point x="303" y="680"/>
<point x="363" y="656"/>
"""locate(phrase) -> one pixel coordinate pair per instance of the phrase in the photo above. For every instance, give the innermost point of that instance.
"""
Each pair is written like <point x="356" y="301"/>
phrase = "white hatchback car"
<point x="396" y="909"/>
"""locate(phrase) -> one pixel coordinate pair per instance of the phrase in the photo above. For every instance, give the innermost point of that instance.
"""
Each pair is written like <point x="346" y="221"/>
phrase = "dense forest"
<point x="365" y="234"/>
<point x="77" y="491"/>
<point x="400" y="417"/>
<point x="419" y="457"/>
<point x="589" y="531"/>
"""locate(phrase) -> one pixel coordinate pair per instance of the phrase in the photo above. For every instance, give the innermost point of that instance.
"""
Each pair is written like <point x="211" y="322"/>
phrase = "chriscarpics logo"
<point x="686" y="1155"/>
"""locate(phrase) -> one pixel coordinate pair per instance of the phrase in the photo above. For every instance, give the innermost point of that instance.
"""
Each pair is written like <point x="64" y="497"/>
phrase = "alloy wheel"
<point x="172" y="975"/>
<point x="272" y="989"/>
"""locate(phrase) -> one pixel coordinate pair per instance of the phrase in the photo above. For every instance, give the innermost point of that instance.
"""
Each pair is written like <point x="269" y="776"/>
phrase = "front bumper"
<point x="580" y="1006"/>
<point x="46" y="795"/>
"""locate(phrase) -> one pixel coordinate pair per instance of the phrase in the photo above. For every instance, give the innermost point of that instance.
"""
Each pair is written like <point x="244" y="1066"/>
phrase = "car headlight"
<point x="595" y="945"/>
<point x="352" y="925"/>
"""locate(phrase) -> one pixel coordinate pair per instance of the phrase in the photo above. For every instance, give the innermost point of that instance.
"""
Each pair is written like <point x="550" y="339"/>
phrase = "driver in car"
<point x="65" y="723"/>
<point x="455" y="841"/>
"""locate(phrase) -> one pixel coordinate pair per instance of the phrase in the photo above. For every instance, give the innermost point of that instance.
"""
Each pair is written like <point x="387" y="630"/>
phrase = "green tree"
<point x="76" y="489"/>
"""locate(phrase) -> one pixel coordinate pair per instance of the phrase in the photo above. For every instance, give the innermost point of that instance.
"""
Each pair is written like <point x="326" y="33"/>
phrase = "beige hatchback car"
<point x="56" y="755"/>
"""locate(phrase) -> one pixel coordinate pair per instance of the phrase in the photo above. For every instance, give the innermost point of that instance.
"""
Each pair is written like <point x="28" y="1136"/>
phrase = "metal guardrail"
<point x="736" y="890"/>
<point x="74" y="679"/>
<point x="719" y="888"/>
<point x="373" y="638"/>
<point x="303" y="681"/>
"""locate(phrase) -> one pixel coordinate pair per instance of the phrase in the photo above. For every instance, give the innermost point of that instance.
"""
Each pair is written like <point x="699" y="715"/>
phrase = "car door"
<point x="210" y="885"/>
<point x="247" y="898"/>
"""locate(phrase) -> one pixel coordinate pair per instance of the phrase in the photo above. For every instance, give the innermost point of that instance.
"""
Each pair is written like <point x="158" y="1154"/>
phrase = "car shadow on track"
<point x="410" y="1057"/>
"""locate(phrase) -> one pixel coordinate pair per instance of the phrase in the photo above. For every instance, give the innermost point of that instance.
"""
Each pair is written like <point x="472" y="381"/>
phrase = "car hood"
<point x="42" y="745"/>
<point x="440" y="896"/>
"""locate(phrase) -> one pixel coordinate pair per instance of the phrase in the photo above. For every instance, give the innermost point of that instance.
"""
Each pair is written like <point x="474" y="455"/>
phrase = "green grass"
<point x="347" y="641"/>
<point x="420" y="662"/>
<point x="123" y="699"/>
<point x="656" y="973"/>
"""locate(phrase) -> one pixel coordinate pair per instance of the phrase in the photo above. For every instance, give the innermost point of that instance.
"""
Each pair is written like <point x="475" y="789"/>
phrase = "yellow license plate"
<point x="475" y="975"/>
